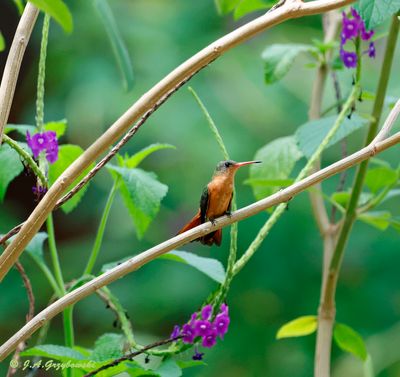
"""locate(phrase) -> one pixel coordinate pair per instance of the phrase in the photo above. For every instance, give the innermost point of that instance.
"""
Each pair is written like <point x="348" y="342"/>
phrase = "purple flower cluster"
<point x="45" y="141"/>
<point x="201" y="326"/>
<point x="353" y="28"/>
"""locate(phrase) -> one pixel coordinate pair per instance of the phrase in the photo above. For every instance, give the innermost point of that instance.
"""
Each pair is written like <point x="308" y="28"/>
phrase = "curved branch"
<point x="13" y="63"/>
<point x="139" y="260"/>
<point x="291" y="9"/>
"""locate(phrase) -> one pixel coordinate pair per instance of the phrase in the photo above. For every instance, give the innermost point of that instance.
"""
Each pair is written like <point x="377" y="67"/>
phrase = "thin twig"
<point x="291" y="9"/>
<point x="31" y="312"/>
<point x="131" y="355"/>
<point x="13" y="63"/>
<point x="139" y="260"/>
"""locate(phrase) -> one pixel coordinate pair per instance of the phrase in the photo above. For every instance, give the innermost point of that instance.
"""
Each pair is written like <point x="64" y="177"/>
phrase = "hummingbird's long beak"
<point x="240" y="164"/>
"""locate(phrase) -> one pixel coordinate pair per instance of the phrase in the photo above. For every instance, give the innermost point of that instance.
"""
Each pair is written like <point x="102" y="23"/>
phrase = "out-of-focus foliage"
<point x="58" y="10"/>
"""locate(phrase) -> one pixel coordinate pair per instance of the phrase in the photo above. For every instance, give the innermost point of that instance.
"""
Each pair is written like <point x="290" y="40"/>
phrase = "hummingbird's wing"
<point x="204" y="201"/>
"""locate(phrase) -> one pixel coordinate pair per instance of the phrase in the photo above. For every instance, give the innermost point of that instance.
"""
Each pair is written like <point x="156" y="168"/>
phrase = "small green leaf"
<point x="349" y="341"/>
<point x="52" y="351"/>
<point x="58" y="10"/>
<point x="22" y="129"/>
<point x="20" y="6"/>
<point x="59" y="127"/>
<point x="279" y="58"/>
<point x="269" y="182"/>
<point x="226" y="6"/>
<point x="183" y="364"/>
<point x="137" y="158"/>
<point x="375" y="12"/>
<point x="209" y="266"/>
<point x="245" y="7"/>
<point x="342" y="198"/>
<point x="381" y="177"/>
<point x="310" y="135"/>
<point x="301" y="326"/>
<point x="377" y="219"/>
<point x="2" y="42"/>
<point x="279" y="158"/>
<point x="10" y="167"/>
<point x="118" y="46"/>
<point x="67" y="154"/>
<point x="108" y="346"/>
<point x="169" y="368"/>
<point x="142" y="194"/>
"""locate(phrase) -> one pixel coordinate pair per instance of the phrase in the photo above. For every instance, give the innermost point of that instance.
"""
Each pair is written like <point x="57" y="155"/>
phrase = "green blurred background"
<point x="283" y="279"/>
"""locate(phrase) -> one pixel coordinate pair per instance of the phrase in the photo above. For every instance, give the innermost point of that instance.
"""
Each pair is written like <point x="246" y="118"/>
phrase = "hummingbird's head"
<point x="230" y="166"/>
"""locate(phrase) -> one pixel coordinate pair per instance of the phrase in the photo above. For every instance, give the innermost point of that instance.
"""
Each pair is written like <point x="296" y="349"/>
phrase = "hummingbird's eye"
<point x="227" y="164"/>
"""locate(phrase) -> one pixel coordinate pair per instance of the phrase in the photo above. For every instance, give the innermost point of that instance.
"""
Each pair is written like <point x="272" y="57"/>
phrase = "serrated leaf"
<point x="59" y="127"/>
<point x="279" y="58"/>
<point x="350" y="341"/>
<point x="142" y="194"/>
<point x="2" y="42"/>
<point x="58" y="10"/>
<point x="310" y="135"/>
<point x="245" y="7"/>
<point x="209" y="266"/>
<point x="375" y="12"/>
<point x="377" y="219"/>
<point x="108" y="346"/>
<point x="301" y="326"/>
<point x="381" y="177"/>
<point x="279" y="158"/>
<point x="67" y="154"/>
<point x="169" y="368"/>
<point x="10" y="167"/>
<point x="137" y="158"/>
<point x="118" y="46"/>
<point x="52" y="351"/>
<point x="22" y="129"/>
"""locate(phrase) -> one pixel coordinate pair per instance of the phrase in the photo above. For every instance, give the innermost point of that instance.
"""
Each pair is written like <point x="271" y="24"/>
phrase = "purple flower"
<point x="224" y="309"/>
<point x="349" y="58"/>
<point x="350" y="27"/>
<point x="365" y="34"/>
<point x="45" y="141"/>
<point x="203" y="328"/>
<point x="221" y="324"/>
<point x="175" y="332"/>
<point x="188" y="333"/>
<point x="210" y="339"/>
<point x="206" y="312"/>
<point x="371" y="50"/>
<point x="197" y="355"/>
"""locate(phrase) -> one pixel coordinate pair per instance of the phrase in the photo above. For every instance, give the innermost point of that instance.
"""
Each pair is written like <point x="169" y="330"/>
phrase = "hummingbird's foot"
<point x="228" y="213"/>
<point x="212" y="221"/>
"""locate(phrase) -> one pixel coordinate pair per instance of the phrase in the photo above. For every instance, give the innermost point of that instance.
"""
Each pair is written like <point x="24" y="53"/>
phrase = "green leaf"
<point x="22" y="129"/>
<point x="20" y="6"/>
<point x="59" y="127"/>
<point x="66" y="156"/>
<point x="226" y="6"/>
<point x="35" y="246"/>
<point x="52" y="351"/>
<point x="391" y="194"/>
<point x="169" y="368"/>
<point x="374" y="12"/>
<point x="342" y="198"/>
<point x="269" y="182"/>
<point x="380" y="177"/>
<point x="279" y="158"/>
<point x="395" y="224"/>
<point x="58" y="10"/>
<point x="142" y="194"/>
<point x="183" y="364"/>
<point x="245" y="7"/>
<point x="377" y="219"/>
<point x="10" y="167"/>
<point x="279" y="58"/>
<point x="137" y="158"/>
<point x="209" y="266"/>
<point x="349" y="341"/>
<point x="300" y="326"/>
<point x="310" y="135"/>
<point x="108" y="346"/>
<point x="118" y="46"/>
<point x="2" y="42"/>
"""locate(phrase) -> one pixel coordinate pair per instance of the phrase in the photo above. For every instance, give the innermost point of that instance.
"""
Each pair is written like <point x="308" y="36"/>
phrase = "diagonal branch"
<point x="141" y="259"/>
<point x="13" y="63"/>
<point x="290" y="9"/>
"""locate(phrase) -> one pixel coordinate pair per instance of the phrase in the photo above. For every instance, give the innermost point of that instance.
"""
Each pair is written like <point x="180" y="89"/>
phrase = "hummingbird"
<point x="216" y="200"/>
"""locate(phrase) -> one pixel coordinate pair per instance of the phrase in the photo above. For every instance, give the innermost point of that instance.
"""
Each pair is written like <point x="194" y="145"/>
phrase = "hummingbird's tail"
<point x="208" y="239"/>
